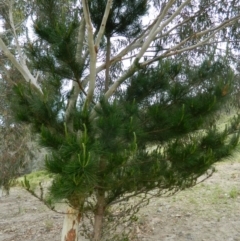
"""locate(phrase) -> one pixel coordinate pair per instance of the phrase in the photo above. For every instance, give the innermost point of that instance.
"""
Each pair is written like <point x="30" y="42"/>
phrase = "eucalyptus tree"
<point x="168" y="80"/>
<point x="14" y="137"/>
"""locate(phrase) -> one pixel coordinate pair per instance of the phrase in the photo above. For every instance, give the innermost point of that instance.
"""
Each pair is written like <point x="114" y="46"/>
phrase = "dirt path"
<point x="208" y="212"/>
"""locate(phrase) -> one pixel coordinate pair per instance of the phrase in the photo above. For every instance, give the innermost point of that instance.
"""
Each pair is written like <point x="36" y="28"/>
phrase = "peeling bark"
<point x="70" y="225"/>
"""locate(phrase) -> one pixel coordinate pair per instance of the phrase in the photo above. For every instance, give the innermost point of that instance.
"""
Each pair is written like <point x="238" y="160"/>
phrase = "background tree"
<point x="165" y="97"/>
<point x="15" y="138"/>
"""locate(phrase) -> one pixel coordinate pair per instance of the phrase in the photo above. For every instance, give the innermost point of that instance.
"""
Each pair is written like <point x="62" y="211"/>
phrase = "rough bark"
<point x="99" y="214"/>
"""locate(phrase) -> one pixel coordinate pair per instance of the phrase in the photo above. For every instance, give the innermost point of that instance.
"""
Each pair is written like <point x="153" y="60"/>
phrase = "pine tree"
<point x="158" y="133"/>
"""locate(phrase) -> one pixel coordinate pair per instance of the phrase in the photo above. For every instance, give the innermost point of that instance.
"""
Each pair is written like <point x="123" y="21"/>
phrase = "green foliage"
<point x="234" y="193"/>
<point x="26" y="183"/>
<point x="123" y="18"/>
<point x="39" y="109"/>
<point x="179" y="99"/>
<point x="102" y="150"/>
<point x="59" y="35"/>
<point x="112" y="152"/>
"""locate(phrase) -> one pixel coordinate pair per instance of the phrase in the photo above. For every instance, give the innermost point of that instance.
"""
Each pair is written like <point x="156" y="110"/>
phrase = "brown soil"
<point x="207" y="212"/>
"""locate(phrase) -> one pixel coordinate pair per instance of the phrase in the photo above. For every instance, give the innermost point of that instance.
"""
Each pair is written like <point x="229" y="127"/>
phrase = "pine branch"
<point x="26" y="185"/>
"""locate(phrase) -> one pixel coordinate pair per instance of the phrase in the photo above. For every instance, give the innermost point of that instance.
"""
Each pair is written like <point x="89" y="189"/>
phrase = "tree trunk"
<point x="70" y="225"/>
<point x="98" y="218"/>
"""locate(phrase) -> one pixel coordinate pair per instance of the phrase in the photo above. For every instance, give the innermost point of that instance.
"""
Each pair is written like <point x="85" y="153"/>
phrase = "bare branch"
<point x="153" y="33"/>
<point x="137" y="43"/>
<point x="145" y="46"/>
<point x="220" y="26"/>
<point x="175" y="50"/>
<point x="103" y="24"/>
<point x="22" y="68"/>
<point x="176" y="13"/>
<point x="22" y="59"/>
<point x="93" y="52"/>
<point x="80" y="41"/>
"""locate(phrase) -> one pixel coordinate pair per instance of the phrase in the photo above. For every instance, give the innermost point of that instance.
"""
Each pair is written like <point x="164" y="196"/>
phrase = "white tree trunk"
<point x="70" y="225"/>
